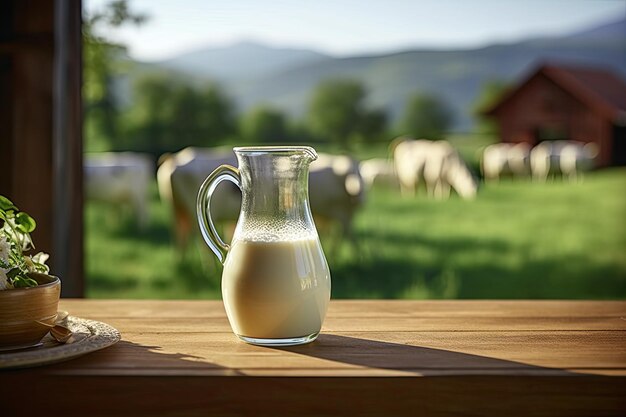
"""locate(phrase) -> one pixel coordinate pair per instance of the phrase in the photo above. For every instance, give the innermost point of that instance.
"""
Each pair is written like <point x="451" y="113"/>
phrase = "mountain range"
<point x="253" y="74"/>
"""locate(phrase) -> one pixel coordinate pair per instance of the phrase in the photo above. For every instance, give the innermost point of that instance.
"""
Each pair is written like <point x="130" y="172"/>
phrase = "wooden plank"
<point x="411" y="352"/>
<point x="173" y="331"/>
<point x="193" y="372"/>
<point x="398" y="324"/>
<point x="360" y="308"/>
<point x="327" y="396"/>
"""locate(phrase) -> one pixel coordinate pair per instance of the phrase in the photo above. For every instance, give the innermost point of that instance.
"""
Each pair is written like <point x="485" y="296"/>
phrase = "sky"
<point x="351" y="27"/>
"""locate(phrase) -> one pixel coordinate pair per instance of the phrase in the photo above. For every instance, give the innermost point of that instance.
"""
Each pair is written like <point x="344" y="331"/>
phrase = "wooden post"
<point x="67" y="158"/>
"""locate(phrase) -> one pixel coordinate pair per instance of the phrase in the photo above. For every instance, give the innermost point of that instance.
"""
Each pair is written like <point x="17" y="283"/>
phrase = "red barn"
<point x="567" y="103"/>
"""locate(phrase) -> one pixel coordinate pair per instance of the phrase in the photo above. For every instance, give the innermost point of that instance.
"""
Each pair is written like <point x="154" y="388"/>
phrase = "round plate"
<point x="88" y="336"/>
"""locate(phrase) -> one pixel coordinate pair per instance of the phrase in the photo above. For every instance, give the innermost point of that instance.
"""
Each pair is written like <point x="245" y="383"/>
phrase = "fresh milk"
<point x="276" y="290"/>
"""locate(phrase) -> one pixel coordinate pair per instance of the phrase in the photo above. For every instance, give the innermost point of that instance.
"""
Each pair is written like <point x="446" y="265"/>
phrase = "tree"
<point x="169" y="114"/>
<point x="101" y="65"/>
<point x="491" y="92"/>
<point x="264" y="125"/>
<point x="426" y="117"/>
<point x="338" y="113"/>
<point x="373" y="125"/>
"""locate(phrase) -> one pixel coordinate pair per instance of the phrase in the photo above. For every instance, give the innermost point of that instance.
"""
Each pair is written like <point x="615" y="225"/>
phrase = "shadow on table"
<point x="147" y="357"/>
<point x="407" y="359"/>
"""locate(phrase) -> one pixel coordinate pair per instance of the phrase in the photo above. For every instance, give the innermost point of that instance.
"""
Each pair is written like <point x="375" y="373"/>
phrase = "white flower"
<point x="5" y="248"/>
<point x="39" y="259"/>
<point x="4" y="281"/>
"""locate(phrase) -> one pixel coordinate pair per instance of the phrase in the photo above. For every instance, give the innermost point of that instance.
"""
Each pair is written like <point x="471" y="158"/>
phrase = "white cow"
<point x="567" y="158"/>
<point x="505" y="158"/>
<point x="335" y="188"/>
<point x="409" y="157"/>
<point x="121" y="178"/>
<point x="379" y="171"/>
<point x="437" y="163"/>
<point x="179" y="178"/>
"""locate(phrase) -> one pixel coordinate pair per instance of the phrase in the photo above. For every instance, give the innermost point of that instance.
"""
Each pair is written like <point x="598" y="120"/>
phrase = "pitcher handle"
<point x="203" y="204"/>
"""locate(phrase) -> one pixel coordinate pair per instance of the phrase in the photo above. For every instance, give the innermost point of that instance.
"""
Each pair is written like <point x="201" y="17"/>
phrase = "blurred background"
<point x="487" y="140"/>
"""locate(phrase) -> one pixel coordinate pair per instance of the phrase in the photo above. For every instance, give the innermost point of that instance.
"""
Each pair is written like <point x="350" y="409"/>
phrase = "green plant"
<point x="15" y="229"/>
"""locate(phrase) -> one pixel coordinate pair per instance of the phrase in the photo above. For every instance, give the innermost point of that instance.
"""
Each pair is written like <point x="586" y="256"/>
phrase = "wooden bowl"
<point x="27" y="314"/>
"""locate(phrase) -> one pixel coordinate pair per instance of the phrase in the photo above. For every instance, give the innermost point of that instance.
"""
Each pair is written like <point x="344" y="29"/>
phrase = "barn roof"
<point x="597" y="88"/>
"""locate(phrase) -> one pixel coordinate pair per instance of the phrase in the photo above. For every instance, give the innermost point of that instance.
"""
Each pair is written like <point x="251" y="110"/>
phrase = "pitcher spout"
<point x="310" y="152"/>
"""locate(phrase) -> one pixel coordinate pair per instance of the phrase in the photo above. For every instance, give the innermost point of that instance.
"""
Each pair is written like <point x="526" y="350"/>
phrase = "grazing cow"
<point x="121" y="178"/>
<point x="438" y="164"/>
<point x="454" y="173"/>
<point x="179" y="178"/>
<point x="567" y="158"/>
<point x="409" y="158"/>
<point x="505" y="158"/>
<point x="378" y="171"/>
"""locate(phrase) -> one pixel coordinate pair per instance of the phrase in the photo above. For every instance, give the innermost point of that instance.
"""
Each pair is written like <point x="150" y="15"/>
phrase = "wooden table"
<point x="388" y="358"/>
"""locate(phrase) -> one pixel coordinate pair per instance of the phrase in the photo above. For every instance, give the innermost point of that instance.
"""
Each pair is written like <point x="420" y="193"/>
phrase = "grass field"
<point x="516" y="240"/>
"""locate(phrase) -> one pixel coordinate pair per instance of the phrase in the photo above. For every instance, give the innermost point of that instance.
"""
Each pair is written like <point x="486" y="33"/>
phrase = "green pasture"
<point x="516" y="240"/>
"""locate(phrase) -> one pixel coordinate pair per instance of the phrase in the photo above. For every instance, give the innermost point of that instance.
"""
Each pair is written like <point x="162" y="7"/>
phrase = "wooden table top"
<point x="372" y="358"/>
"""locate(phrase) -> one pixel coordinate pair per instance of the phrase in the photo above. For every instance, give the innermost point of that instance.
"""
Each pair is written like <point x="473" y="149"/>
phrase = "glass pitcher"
<point x="276" y="281"/>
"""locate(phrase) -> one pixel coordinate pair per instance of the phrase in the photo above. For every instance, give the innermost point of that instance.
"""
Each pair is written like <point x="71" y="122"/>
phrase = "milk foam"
<point x="273" y="230"/>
